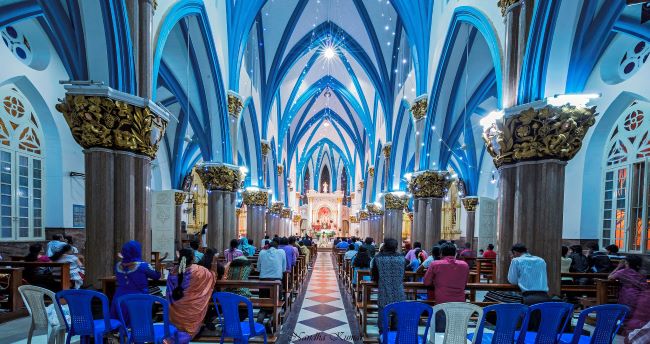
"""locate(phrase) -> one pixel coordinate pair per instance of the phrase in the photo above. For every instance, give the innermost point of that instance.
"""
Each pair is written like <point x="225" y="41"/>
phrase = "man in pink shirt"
<point x="447" y="278"/>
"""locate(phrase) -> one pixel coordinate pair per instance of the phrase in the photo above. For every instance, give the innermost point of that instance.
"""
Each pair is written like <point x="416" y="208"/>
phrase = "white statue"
<point x="325" y="188"/>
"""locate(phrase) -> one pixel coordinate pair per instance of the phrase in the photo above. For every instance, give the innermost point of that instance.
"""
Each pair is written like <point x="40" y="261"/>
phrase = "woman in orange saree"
<point x="189" y="288"/>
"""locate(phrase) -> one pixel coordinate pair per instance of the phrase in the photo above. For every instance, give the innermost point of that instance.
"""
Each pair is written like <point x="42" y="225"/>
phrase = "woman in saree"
<point x="189" y="288"/>
<point x="246" y="248"/>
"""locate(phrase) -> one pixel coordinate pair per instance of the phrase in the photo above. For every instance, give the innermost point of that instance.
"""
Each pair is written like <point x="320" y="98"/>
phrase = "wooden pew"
<point x="64" y="268"/>
<point x="11" y="279"/>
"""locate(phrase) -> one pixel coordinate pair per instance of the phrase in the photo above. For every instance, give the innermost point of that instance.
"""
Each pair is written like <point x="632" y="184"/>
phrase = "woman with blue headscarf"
<point x="132" y="274"/>
<point x="248" y="250"/>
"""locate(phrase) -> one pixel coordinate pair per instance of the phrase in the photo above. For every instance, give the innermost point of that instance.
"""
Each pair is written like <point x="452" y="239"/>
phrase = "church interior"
<point x="173" y="126"/>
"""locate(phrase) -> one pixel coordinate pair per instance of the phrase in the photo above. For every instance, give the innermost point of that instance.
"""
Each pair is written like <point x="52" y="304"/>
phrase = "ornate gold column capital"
<point x="550" y="132"/>
<point x="265" y="147"/>
<point x="280" y="169"/>
<point x="238" y="211"/>
<point x="363" y="215"/>
<point x="354" y="219"/>
<point x="361" y="184"/>
<point x="297" y="218"/>
<point x="505" y="4"/>
<point x="235" y="104"/>
<point x="470" y="203"/>
<point x="276" y="208"/>
<point x="219" y="176"/>
<point x="395" y="201"/>
<point x="430" y="184"/>
<point x="179" y="197"/>
<point x="374" y="209"/>
<point x="100" y="121"/>
<point x="419" y="107"/>
<point x="387" y="149"/>
<point x="371" y="171"/>
<point x="286" y="213"/>
<point x="256" y="197"/>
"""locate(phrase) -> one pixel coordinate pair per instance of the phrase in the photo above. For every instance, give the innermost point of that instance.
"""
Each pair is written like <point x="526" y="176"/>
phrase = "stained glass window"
<point x="21" y="169"/>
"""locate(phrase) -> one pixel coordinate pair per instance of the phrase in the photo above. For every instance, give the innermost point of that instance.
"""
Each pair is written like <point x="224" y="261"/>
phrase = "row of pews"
<point x="281" y="294"/>
<point x="363" y="291"/>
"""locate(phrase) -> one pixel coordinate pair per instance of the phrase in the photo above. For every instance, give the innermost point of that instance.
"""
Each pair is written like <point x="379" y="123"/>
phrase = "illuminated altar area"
<point x="326" y="210"/>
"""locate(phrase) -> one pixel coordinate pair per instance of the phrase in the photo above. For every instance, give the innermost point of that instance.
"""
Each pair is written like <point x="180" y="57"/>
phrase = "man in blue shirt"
<point x="529" y="273"/>
<point x="271" y="264"/>
<point x="292" y="256"/>
<point x="343" y="245"/>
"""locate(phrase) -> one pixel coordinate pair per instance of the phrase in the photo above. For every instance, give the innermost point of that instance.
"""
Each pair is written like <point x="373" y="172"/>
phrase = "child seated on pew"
<point x="64" y="254"/>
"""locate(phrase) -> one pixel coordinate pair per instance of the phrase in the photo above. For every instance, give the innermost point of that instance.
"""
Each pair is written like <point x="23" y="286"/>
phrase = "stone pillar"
<point x="256" y="201"/>
<point x="279" y="169"/>
<point x="428" y="189"/>
<point x="179" y="199"/>
<point x="375" y="222"/>
<point x="363" y="224"/>
<point x="530" y="147"/>
<point x="265" y="148"/>
<point x="273" y="219"/>
<point x="354" y="226"/>
<point x="386" y="150"/>
<point x="286" y="221"/>
<point x="222" y="182"/>
<point x="470" y="203"/>
<point x="419" y="112"/>
<point x="235" y="107"/>
<point x="144" y="49"/>
<point x="371" y="182"/>
<point x="517" y="15"/>
<point x="394" y="205"/>
<point x="120" y="134"/>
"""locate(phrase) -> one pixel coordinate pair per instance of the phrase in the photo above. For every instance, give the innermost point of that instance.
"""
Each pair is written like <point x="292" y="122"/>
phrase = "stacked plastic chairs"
<point x="140" y="328"/>
<point x="81" y="315"/>
<point x="231" y="327"/>
<point x="508" y="319"/>
<point x="34" y="299"/>
<point x="408" y="315"/>
<point x="609" y="319"/>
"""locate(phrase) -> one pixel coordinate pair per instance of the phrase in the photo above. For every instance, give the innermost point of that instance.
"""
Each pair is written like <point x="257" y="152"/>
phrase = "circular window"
<point x="17" y="43"/>
<point x="28" y="43"/>
<point x="633" y="59"/>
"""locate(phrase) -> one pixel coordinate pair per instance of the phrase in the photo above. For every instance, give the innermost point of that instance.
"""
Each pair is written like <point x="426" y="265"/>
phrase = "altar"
<point x="325" y="210"/>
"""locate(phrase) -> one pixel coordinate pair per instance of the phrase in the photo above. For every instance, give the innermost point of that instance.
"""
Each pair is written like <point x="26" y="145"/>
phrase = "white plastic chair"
<point x="457" y="316"/>
<point x="34" y="299"/>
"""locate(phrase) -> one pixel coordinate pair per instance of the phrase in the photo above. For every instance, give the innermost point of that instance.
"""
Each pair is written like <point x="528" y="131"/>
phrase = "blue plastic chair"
<point x="231" y="327"/>
<point x="139" y="312"/>
<point x="509" y="316"/>
<point x="408" y="316"/>
<point x="554" y="318"/>
<point x="609" y="319"/>
<point x="81" y="316"/>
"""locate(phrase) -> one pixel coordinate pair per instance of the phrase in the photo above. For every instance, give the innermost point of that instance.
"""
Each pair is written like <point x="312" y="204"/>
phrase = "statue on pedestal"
<point x="325" y="189"/>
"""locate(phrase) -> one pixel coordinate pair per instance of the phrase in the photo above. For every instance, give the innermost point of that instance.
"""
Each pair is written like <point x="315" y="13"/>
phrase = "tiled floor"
<point x="322" y="318"/>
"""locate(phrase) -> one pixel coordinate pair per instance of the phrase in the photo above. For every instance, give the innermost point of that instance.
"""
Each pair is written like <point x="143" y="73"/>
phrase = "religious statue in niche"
<point x="325" y="188"/>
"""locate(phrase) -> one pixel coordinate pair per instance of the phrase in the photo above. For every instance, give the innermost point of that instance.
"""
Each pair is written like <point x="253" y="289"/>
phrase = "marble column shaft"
<point x="393" y="224"/>
<point x="255" y="223"/>
<point x="145" y="50"/>
<point x="531" y="204"/>
<point x="100" y="214"/>
<point x="471" y="225"/>
<point x="178" y="233"/>
<point x="427" y="221"/>
<point x="221" y="219"/>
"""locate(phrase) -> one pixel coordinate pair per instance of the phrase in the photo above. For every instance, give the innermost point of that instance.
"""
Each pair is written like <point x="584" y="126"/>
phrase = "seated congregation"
<point x="398" y="292"/>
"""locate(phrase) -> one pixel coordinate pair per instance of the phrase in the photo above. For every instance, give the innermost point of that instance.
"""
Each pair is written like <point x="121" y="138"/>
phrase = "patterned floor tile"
<point x="323" y="309"/>
<point x="322" y="298"/>
<point x="322" y="323"/>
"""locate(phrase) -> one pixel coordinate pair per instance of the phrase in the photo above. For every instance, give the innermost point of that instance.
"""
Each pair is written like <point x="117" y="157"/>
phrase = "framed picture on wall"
<point x="78" y="215"/>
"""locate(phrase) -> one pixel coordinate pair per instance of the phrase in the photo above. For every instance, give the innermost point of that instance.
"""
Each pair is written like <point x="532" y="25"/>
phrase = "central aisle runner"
<point x="322" y="318"/>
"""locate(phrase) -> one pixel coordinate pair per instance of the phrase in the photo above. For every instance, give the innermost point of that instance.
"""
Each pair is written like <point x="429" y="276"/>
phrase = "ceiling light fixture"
<point x="329" y="53"/>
